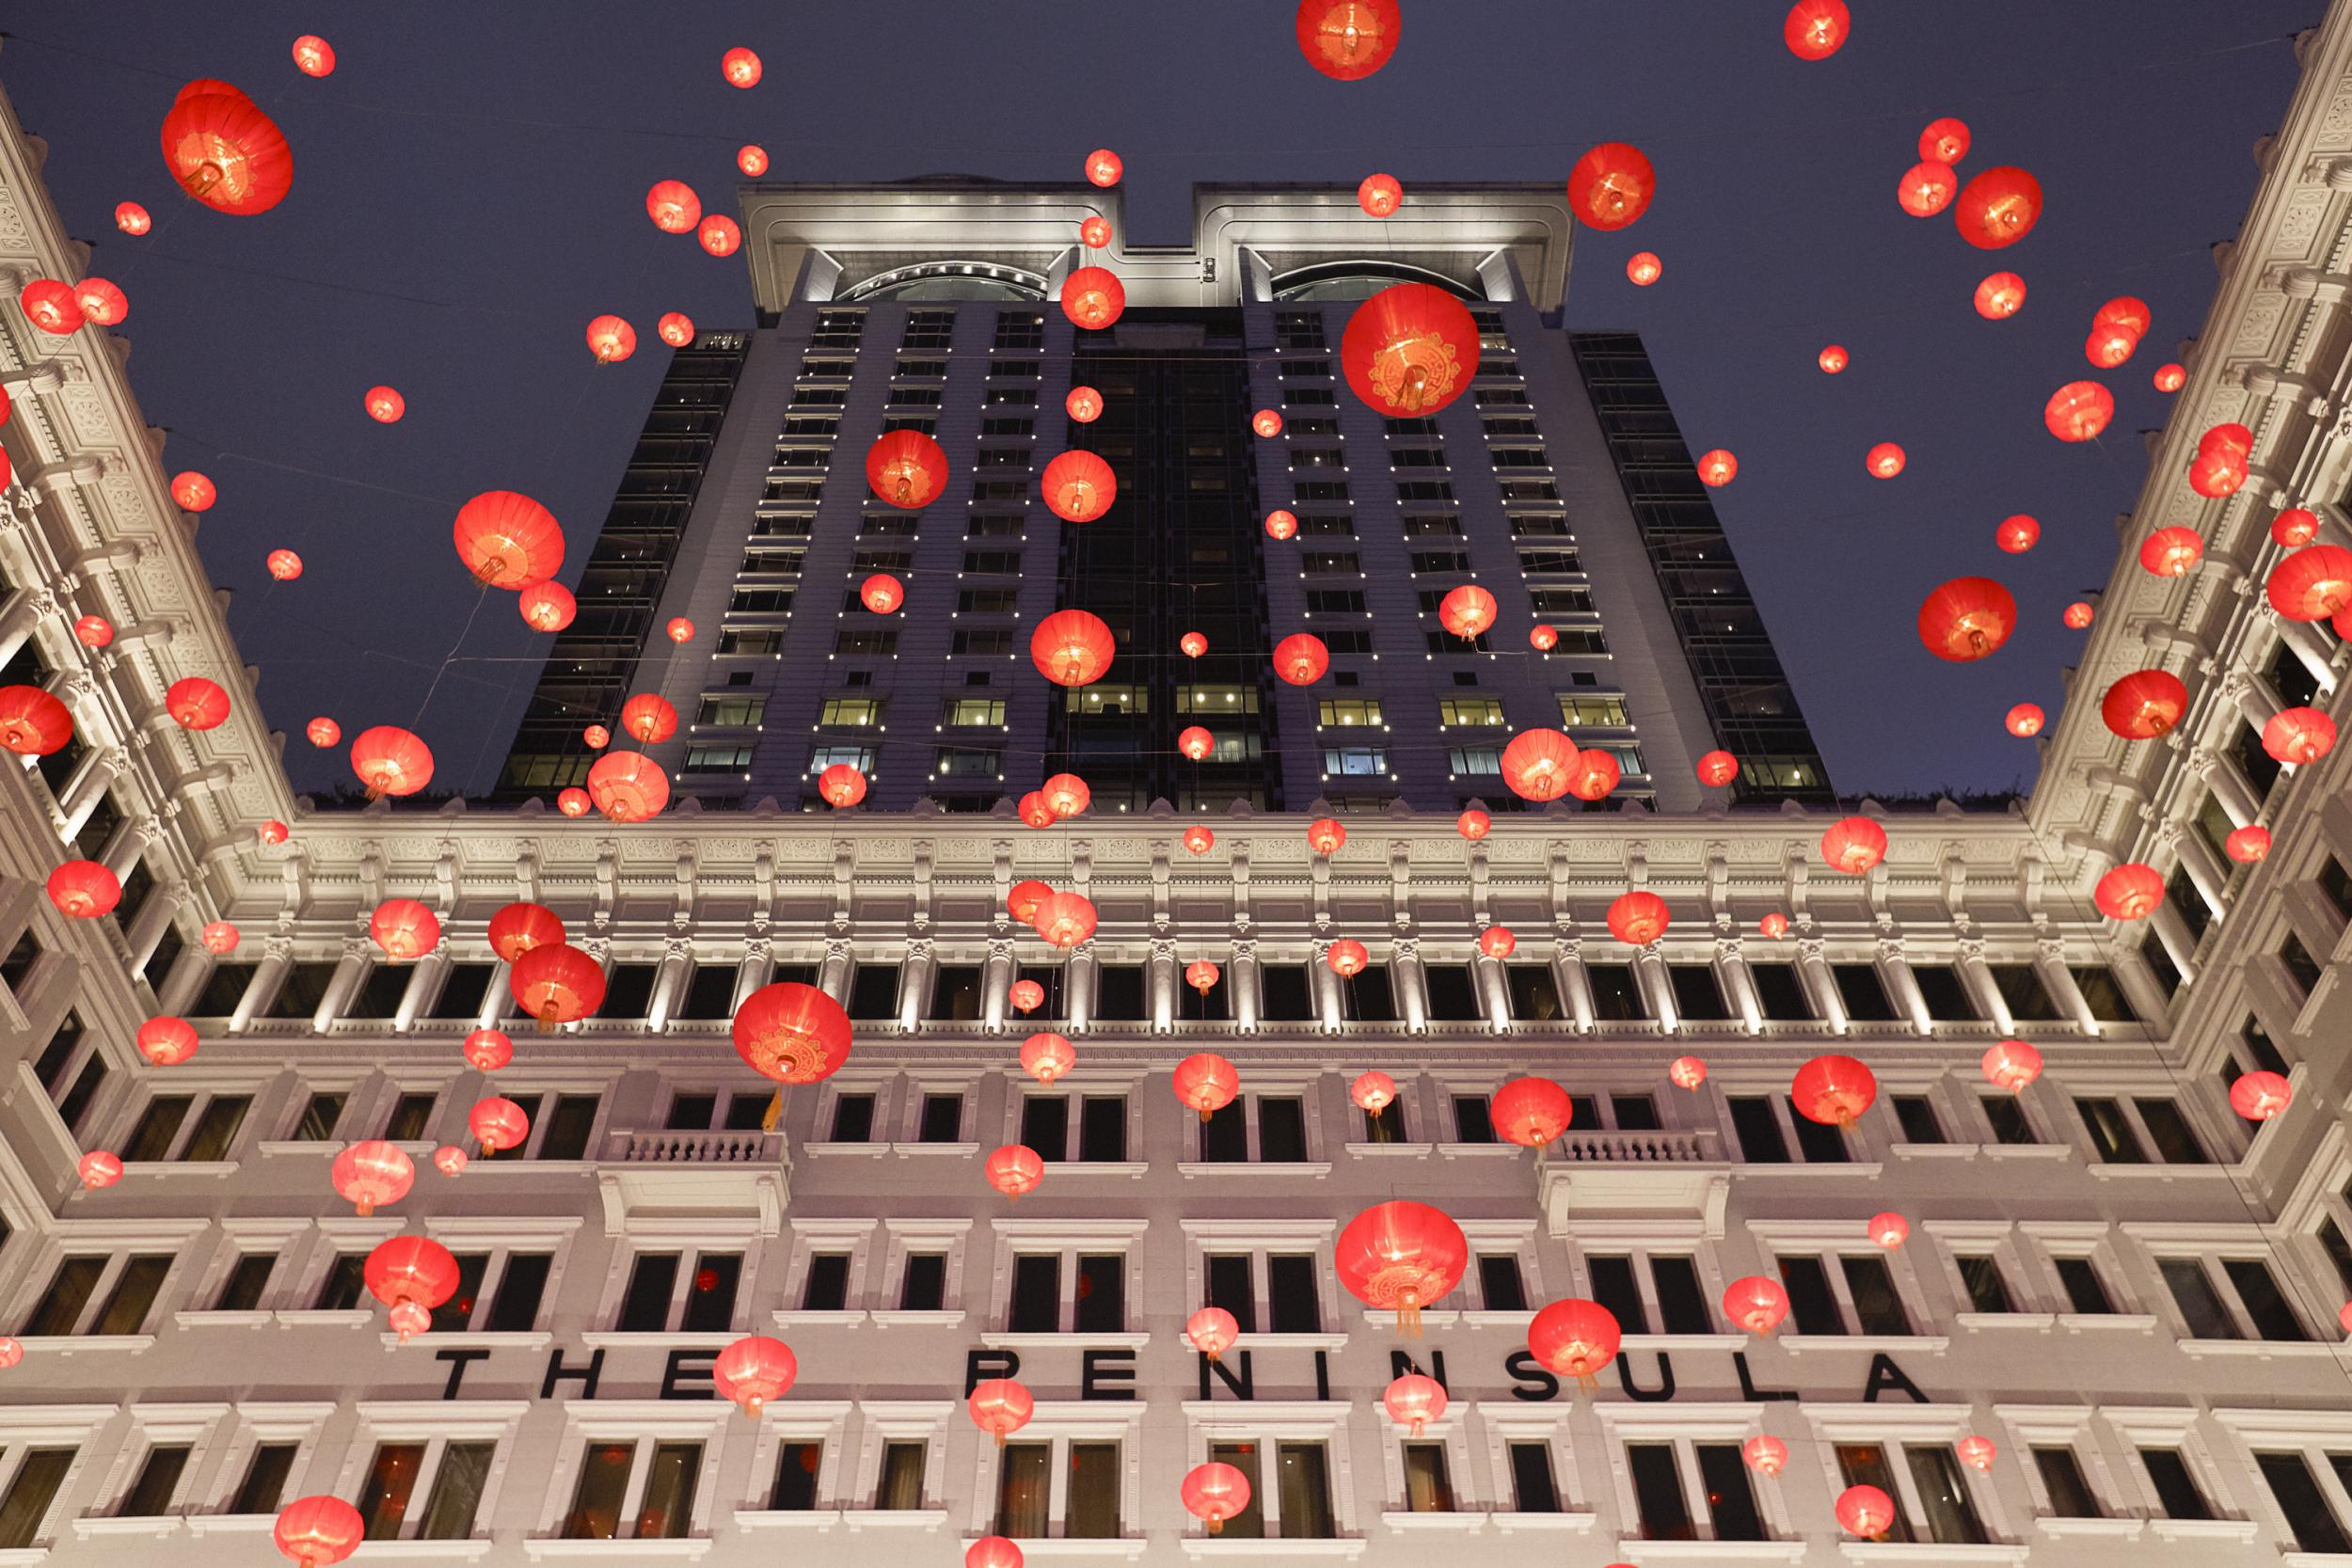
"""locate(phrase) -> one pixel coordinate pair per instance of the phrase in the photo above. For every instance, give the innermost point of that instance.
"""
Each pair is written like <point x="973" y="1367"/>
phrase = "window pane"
<point x="30" y="1494"/>
<point x="449" y="1508"/>
<point x="1229" y="1287"/>
<point x="1533" y="1488"/>
<point x="2194" y="1297"/>
<point x="456" y="1315"/>
<point x="1102" y="1127"/>
<point x="319" y="1117"/>
<point x="159" y="1477"/>
<point x="1950" y="1512"/>
<point x="1282" y="1131"/>
<point x="265" y="1482"/>
<point x="567" y="1129"/>
<point x="1613" y="1286"/>
<point x="828" y="1285"/>
<point x="1915" y="1113"/>
<point x="345" y="1278"/>
<point x="1730" y="1499"/>
<point x="2008" y="1120"/>
<point x="1987" y="1291"/>
<point x="1093" y="1512"/>
<point x="59" y="1310"/>
<point x="1682" y="1304"/>
<point x="2299" y="1498"/>
<point x="1427" y="1489"/>
<point x="1474" y="1122"/>
<point x="711" y="1294"/>
<point x="1499" y="1287"/>
<point x="2085" y="1290"/>
<point x="1811" y="1304"/>
<point x="2070" y="1494"/>
<point x="411" y="1114"/>
<point x="134" y="1291"/>
<point x="1292" y="1297"/>
<point x="1045" y="1125"/>
<point x="853" y="1119"/>
<point x="1224" y="1136"/>
<point x="383" y="1500"/>
<point x="2176" y="1488"/>
<point x="942" y="1118"/>
<point x="1865" y="1465"/>
<point x="1665" y="1513"/>
<point x="2111" y="1136"/>
<point x="901" y="1476"/>
<point x="645" y="1308"/>
<point x="1023" y="1480"/>
<point x="1101" y="1307"/>
<point x="1823" y="1143"/>
<point x="2258" y="1290"/>
<point x="1249" y="1524"/>
<point x="796" y="1476"/>
<point x="1306" y="1486"/>
<point x="2176" y="1143"/>
<point x="1760" y="1143"/>
<point x="667" y="1511"/>
<point x="151" y="1138"/>
<point x="515" y="1309"/>
<point x="1877" y="1306"/>
<point x="217" y="1128"/>
<point x="1036" y="1306"/>
<point x="924" y="1289"/>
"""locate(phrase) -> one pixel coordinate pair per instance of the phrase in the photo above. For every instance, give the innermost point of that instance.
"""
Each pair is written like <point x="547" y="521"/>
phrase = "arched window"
<point x="1360" y="278"/>
<point x="949" y="280"/>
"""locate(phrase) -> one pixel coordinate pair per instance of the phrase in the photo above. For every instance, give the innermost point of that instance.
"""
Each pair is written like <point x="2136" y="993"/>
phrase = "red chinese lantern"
<point x="673" y="205"/>
<point x="1026" y="996"/>
<point x="220" y="936"/>
<point x="1498" y="943"/>
<point x="1281" y="523"/>
<point x="1643" y="268"/>
<point x="557" y="983"/>
<point x="906" y="469"/>
<point x="314" y="1533"/>
<point x="99" y="1169"/>
<point x="720" y="235"/>
<point x="1193" y="644"/>
<point x="2012" y="1065"/>
<point x="1775" y="926"/>
<point x="1103" y="168"/>
<point x="271" y="832"/>
<point x="993" y="1551"/>
<point x="1926" y="188"/>
<point x="1574" y="1338"/>
<point x="1542" y="639"/>
<point x="313" y="55"/>
<point x="1095" y="232"/>
<point x="83" y="890"/>
<point x="517" y="929"/>
<point x="1092" y="297"/>
<point x="1214" y="1493"/>
<point x="681" y="629"/>
<point x="1035" y="810"/>
<point x="1301" y="659"/>
<point x="1816" y="29"/>
<point x="2294" y="528"/>
<point x="1047" y="1055"/>
<point x="1068" y="794"/>
<point x="2260" y="1096"/>
<point x="1025" y="900"/>
<point x="2313" y="584"/>
<point x="93" y="631"/>
<point x="610" y="339"/>
<point x="1066" y="919"/>
<point x="2078" y="411"/>
<point x="1833" y="1090"/>
<point x="1374" y="1091"/>
<point x="1084" y="405"/>
<point x="1195" y="742"/>
<point x="193" y="492"/>
<point x="1380" y="195"/>
<point x="574" y="801"/>
<point x="1000" y="1407"/>
<point x="1326" y="836"/>
<point x="1531" y="1112"/>
<point x="33" y="723"/>
<point x="2025" y="718"/>
<point x="168" y="1042"/>
<point x="547" y="605"/>
<point x="1866" y="1511"/>
<point x="1199" y="839"/>
<point x="2220" y="467"/>
<point x="1079" y="487"/>
<point x="1718" y="769"/>
<point x="1854" y="844"/>
<point x="1267" y="422"/>
<point x="675" y="328"/>
<point x="1071" y="647"/>
<point x="1977" y="1453"/>
<point x="2017" y="534"/>
<point x="2300" y="735"/>
<point x="2144" y="704"/>
<point x="1015" y="1169"/>
<point x="1686" y="1072"/>
<point x="1765" y="1455"/>
<point x="1539" y="764"/>
<point x="1637" y="918"/>
<point x="1347" y="958"/>
<point x="488" y="1050"/>
<point x="650" y="716"/>
<point x="131" y="218"/>
<point x="1201" y="975"/>
<point x="1475" y="824"/>
<point x="1346" y="40"/>
<point x="1401" y="1256"/>
<point x="752" y="159"/>
<point x="498" y="1123"/>
<point x="1833" y="359"/>
<point x="1945" y="140"/>
<point x="2248" y="845"/>
<point x="1966" y="619"/>
<point x="1207" y="1083"/>
<point x="841" y="785"/>
<point x="103" y="304"/>
<point x="740" y="67"/>
<point x="1884" y="461"/>
<point x="627" y="786"/>
<point x="2170" y="377"/>
<point x="1998" y="208"/>
<point x="1212" y="1331"/>
<point x="384" y="404"/>
<point x="507" y="540"/>
<point x="371" y="1172"/>
<point x="1414" y="1401"/>
<point x="1611" y="185"/>
<point x="1467" y="611"/>
<point x="2108" y="346"/>
<point x="411" y="1274"/>
<point x="793" y="1033"/>
<point x="50" y="306"/>
<point x="225" y="151"/>
<point x="1717" y="468"/>
<point x="2125" y="316"/>
<point x="1410" y="349"/>
<point x="1889" y="1231"/>
<point x="1755" y="1304"/>
<point x="754" y="1371"/>
<point x="2078" y="615"/>
<point x="2172" y="552"/>
<point x="196" y="704"/>
<point x="2129" y="892"/>
<point x="404" y="928"/>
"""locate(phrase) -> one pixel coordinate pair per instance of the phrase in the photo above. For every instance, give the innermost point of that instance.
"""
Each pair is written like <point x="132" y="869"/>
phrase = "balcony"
<point x="671" y="1175"/>
<point x="1648" y="1176"/>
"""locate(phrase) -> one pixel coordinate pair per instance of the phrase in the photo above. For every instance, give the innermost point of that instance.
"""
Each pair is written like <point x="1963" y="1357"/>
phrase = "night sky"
<point x="469" y="188"/>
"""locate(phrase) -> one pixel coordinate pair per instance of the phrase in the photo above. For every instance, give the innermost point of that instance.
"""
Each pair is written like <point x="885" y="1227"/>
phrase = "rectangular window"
<point x="1427" y="1487"/>
<point x="1987" y="1291"/>
<point x="1500" y="1286"/>
<point x="1045" y="1125"/>
<point x="2265" y="1303"/>
<point x="1092" y="1512"/>
<point x="1730" y="1498"/>
<point x="853" y="1117"/>
<point x="241" y="1291"/>
<point x="2084" y="1292"/>
<point x="901" y="1476"/>
<point x="795" y="1488"/>
<point x="1658" y="1498"/>
<point x="1915" y="1114"/>
<point x="1781" y="993"/>
<point x="1024" y="1483"/>
<point x="1811" y="1304"/>
<point x="411" y="1114"/>
<point x="2111" y="1135"/>
<point x="265" y="1477"/>
<point x="345" y="1278"/>
<point x="1534" y="1488"/>
<point x="2176" y="1487"/>
<point x="666" y="1512"/>
<point x="1865" y="1465"/>
<point x="456" y="1494"/>
<point x="1760" y="1139"/>
<point x="150" y="1495"/>
<point x="1472" y="1122"/>
<point x="134" y="1291"/>
<point x="1877" y="1306"/>
<point x="1224" y="1136"/>
<point x="2169" y="1130"/>
<point x="1281" y="1130"/>
<point x="1304" y="1480"/>
<point x="1681" y="1301"/>
<point x="383" y="1500"/>
<point x="2063" y="1477"/>
<point x="1228" y="1286"/>
<point x="1614" y="1288"/>
<point x="1035" y="1305"/>
<point x="1102" y="1127"/>
<point x="1292" y="1294"/>
<point x="1249" y="1524"/>
<point x="942" y="1119"/>
<point x="515" y="1307"/>
<point x="827" y="1289"/>
<point x="646" y="1304"/>
<point x="2006" y="1119"/>
<point x="710" y="1293"/>
<point x="2200" y="1304"/>
<point x="1101" y="1307"/>
<point x="1950" y="1512"/>
<point x="29" y="1494"/>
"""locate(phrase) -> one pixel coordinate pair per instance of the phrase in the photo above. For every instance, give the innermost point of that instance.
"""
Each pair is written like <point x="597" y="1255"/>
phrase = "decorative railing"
<point x="694" y="1149"/>
<point x="1633" y="1149"/>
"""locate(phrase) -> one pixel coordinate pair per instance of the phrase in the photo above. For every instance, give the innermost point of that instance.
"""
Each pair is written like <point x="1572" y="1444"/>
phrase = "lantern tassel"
<point x="776" y="1110"/>
<point x="1217" y="1524"/>
<point x="1409" y="1319"/>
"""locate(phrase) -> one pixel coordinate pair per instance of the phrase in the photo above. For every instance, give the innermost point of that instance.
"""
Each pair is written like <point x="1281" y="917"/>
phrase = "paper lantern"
<point x="1543" y="639"/>
<point x="507" y="540"/>
<point x="271" y="832"/>
<point x="371" y="1172"/>
<point x="793" y="1033"/>
<point x="1281" y="523"/>
<point x="1026" y="996"/>
<point x="1595" y="774"/>
<point x="1025" y="900"/>
<point x="1718" y="769"/>
<point x="841" y="785"/>
<point x="1467" y="611"/>
<point x="1854" y="844"/>
<point x="1717" y="468"/>
<point x="93" y="631"/>
<point x="1475" y="824"/>
<point x="574" y="801"/>
<point x="33" y="723"/>
<point x="1531" y="1112"/>
<point x="1998" y="208"/>
<point x="1199" y="839"/>
<point x="740" y="67"/>
<point x="1637" y="918"/>
<point x="2012" y="1065"/>
<point x="1889" y="1231"/>
<point x="754" y="1371"/>
<point x="675" y="328"/>
<point x="1643" y="268"/>
<point x="2172" y="552"/>
<point x="1103" y="168"/>
<point x="1966" y="619"/>
<point x="1000" y="1407"/>
<point x="168" y="1042"/>
<point x="1267" y="422"/>
<point x="196" y="704"/>
<point x="1686" y="1072"/>
<point x="1866" y="1511"/>
<point x="993" y="1551"/>
<point x="519" y="927"/>
<point x="83" y="890"/>
<point x="1078" y="486"/>
<point x="1833" y="1090"/>
<point x="1326" y="836"/>
<point x="384" y="404"/>
<point x="313" y="1532"/>
<point x="1084" y="405"/>
<point x="2248" y="845"/>
<point x="1773" y="925"/>
<point x="1347" y="40"/>
<point x="1035" y="810"/>
<point x="1977" y="1453"/>
<point x="488" y="1050"/>
<point x="1833" y="359"/>
<point x="1757" y="1303"/>
<point x="1214" y="1493"/>
<point x="131" y="218"/>
<point x="1201" y="975"/>
<point x="1409" y="350"/>
<point x="610" y="339"/>
<point x="1413" y="1401"/>
<point x="1883" y="461"/>
<point x="1301" y="659"/>
<point x="193" y="492"/>
<point x="219" y="937"/>
<point x="2294" y="528"/>
<point x="1206" y="1081"/>
<point x="1611" y="185"/>
<point x="1766" y="1456"/>
<point x="498" y="1123"/>
<point x="1380" y="195"/>
<point x="1047" y="1056"/>
<point x="1067" y="794"/>
<point x="1574" y="1338"/>
<point x="906" y="469"/>
<point x="1071" y="647"/>
<point x="548" y="607"/>
<point x="1498" y="943"/>
<point x="1374" y="1091"/>
<point x="1212" y="1331"/>
<point x="2025" y="718"/>
<point x="313" y="55"/>
<point x="2169" y="378"/>
<point x="404" y="928"/>
<point x="1926" y="188"/>
<point x="449" y="1160"/>
<point x="719" y="234"/>
<point x="103" y="304"/>
<point x="1092" y="298"/>
<point x="627" y="786"/>
<point x="2313" y="584"/>
<point x="1014" y="1170"/>
<point x="99" y="1169"/>
<point x="50" y="306"/>
<point x="1401" y="1256"/>
<point x="681" y="629"/>
<point x="2078" y="411"/>
<point x="2017" y="534"/>
<point x="673" y="205"/>
<point x="1346" y="958"/>
<point x="1066" y="919"/>
<point x="2260" y="1096"/>
<point x="1095" y="232"/>
<point x="2144" y="704"/>
<point x="1539" y="764"/>
<point x="752" y="159"/>
<point x="1945" y="140"/>
<point x="411" y="1274"/>
<point x="557" y="983"/>
<point x="225" y="151"/>
<point x="1816" y="29"/>
<point x="2299" y="736"/>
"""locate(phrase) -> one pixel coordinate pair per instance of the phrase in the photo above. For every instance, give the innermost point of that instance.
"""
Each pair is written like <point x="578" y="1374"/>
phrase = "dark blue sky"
<point x="469" y="188"/>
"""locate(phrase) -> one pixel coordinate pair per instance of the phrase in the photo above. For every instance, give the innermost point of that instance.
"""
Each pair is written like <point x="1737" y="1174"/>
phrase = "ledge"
<point x="1065" y="1169"/>
<point x="613" y="1339"/>
<point x="341" y="1317"/>
<point x="1360" y="1152"/>
<point x="2203" y="1529"/>
<point x="2029" y="1151"/>
<point x="871" y="1150"/>
<point x="1920" y="1551"/>
<point x="2076" y="1323"/>
<point x="1128" y="1547"/>
<point x="1507" y="1523"/>
<point x="2039" y="1321"/>
<point x="1496" y="1319"/>
<point x="1431" y="1317"/>
<point x="1318" y="1169"/>
<point x="682" y="1547"/>
<point x="156" y="1525"/>
<point x="220" y="1320"/>
<point x="959" y="1151"/>
<point x="230" y="1524"/>
<point x="894" y="1518"/>
<point x="1460" y="1520"/>
<point x="1933" y="1152"/>
<point x="73" y="1344"/>
<point x="470" y="1549"/>
<point x="1051" y="1341"/>
<point x="786" y="1518"/>
<point x="1216" y="1546"/>
<point x="1641" y="1553"/>
<point x="912" y="1317"/>
<point x="1478" y="1151"/>
<point x="2262" y="1349"/>
<point x="2113" y="1530"/>
<point x="528" y="1341"/>
<point x="784" y="1319"/>
<point x="216" y="1170"/>
<point x="1931" y="1344"/>
<point x="299" y="1146"/>
<point x="1680" y="1341"/>
<point x="1270" y="1340"/>
<point x="1864" y="1169"/>
<point x="2159" y="1173"/>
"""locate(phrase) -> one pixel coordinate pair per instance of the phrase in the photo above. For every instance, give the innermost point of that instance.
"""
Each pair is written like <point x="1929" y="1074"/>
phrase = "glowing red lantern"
<point x="673" y="206"/>
<point x="906" y="469"/>
<point x="1068" y="794"/>
<point x="1401" y="1256"/>
<point x="1413" y="1401"/>
<point x="841" y="785"/>
<point x="2313" y="584"/>
<point x="610" y="339"/>
<point x="1281" y="523"/>
<point x="498" y="1123"/>
<point x="404" y="928"/>
<point x="1574" y="1338"/>
<point x="2078" y="615"/>
<point x="650" y="717"/>
<point x="2249" y="844"/>
<point x="1026" y="996"/>
<point x="993" y="1551"/>
<point x="752" y="159"/>
<point x="1201" y="975"/>
<point x="1945" y="140"/>
<point x="411" y="1274"/>
<point x="1531" y="1112"/>
<point x="220" y="936"/>
<point x="2260" y="1096"/>
<point x="50" y="306"/>
<point x="271" y="832"/>
<point x="1542" y="639"/>
<point x="574" y="801"/>
<point x="2025" y="718"/>
<point x="1199" y="839"/>
<point x="93" y="631"/>
<point x="488" y="1050"/>
<point x="2170" y="377"/>
<point x="1195" y="742"/>
<point x="371" y="1172"/>
<point x="102" y="303"/>
<point x="517" y="929"/>
<point x="1595" y="774"/>
<point x="33" y="723"/>
<point x="2172" y="552"/>
<point x="675" y="328"/>
<point x="1854" y="844"/>
<point x="1347" y="958"/>
<point x="1833" y="1090"/>
<point x="384" y="404"/>
<point x="1193" y="644"/>
<point x="557" y="983"/>
<point x="83" y="890"/>
<point x="2017" y="534"/>
<point x="1765" y="1455"/>
<point x="314" y="1533"/>
<point x="1833" y="359"/>
<point x="1966" y="619"/>
<point x="131" y="218"/>
<point x="754" y="1371"/>
<point x="720" y="235"/>
<point x="1927" y="189"/>
<point x="1095" y="232"/>
<point x="1816" y="29"/>
<point x="1212" y="1331"/>
<point x="1084" y="405"/>
<point x="2300" y="735"/>
<point x="1889" y="1231"/>
<point x="1047" y="1055"/>
<point x="2220" y="467"/>
<point x="1539" y="764"/>
<point x="793" y="1033"/>
<point x="1301" y="659"/>
<point x="225" y="151"/>
<point x="1643" y="268"/>
<point x="1611" y="185"/>
<point x="2012" y="1065"/>
<point x="1025" y="900"/>
<point x="1346" y="40"/>
<point x="507" y="540"/>
<point x="1103" y="168"/>
<point x="1773" y="925"/>
<point x="1380" y="195"/>
<point x="1079" y="487"/>
<point x="1326" y="836"/>
<point x="1035" y="810"/>
<point x="681" y="629"/>
<point x="1000" y="1407"/>
<point x="1717" y="468"/>
<point x="1718" y="769"/>
<point x="1207" y="1083"/>
<point x="1409" y="350"/>
<point x="627" y="786"/>
<point x="1883" y="461"/>
<point x="168" y="1042"/>
<point x="1467" y="611"/>
<point x="2294" y="528"/>
<point x="547" y="605"/>
<point x="1374" y="1091"/>
<point x="196" y="704"/>
<point x="1755" y="1304"/>
<point x="1475" y="824"/>
<point x="2000" y="297"/>
<point x="1637" y="918"/>
<point x="193" y="492"/>
<point x="1267" y="422"/>
<point x="1998" y="208"/>
<point x="1071" y="647"/>
<point x="99" y="1169"/>
<point x="1214" y="1493"/>
<point x="1498" y="943"/>
<point x="2144" y="704"/>
<point x="1866" y="1511"/>
<point x="1015" y="1169"/>
<point x="1977" y="1453"/>
<point x="313" y="55"/>
<point x="1686" y="1072"/>
<point x="1092" y="297"/>
<point x="1066" y="919"/>
<point x="740" y="67"/>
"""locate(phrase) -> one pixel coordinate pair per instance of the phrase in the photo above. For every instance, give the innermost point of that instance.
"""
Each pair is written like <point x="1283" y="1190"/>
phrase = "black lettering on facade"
<point x="1665" y="1389"/>
<point x="1748" y="1391"/>
<point x="458" y="1361"/>
<point x="1531" y="1382"/>
<point x="1886" y="1374"/>
<point x="558" y="1372"/>
<point x="688" y="1366"/>
<point x="1402" y="1365"/>
<point x="981" y="1365"/>
<point x="1245" y="1386"/>
<point x="1101" y="1370"/>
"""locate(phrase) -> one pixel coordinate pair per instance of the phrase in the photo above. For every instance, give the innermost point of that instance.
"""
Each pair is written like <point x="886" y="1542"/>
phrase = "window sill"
<point x="487" y="1341"/>
<point x="2042" y="1321"/>
<point x="1641" y="1554"/>
<point x="2264" y="1349"/>
<point x="72" y="1344"/>
<point x="1933" y="1152"/>
<point x="1930" y="1344"/>
<point x="2030" y="1151"/>
<point x="959" y="1150"/>
<point x="469" y="1549"/>
<point x="1064" y="1170"/>
<point x="1127" y="1547"/>
<point x="1316" y="1168"/>
<point x="230" y="1524"/>
<point x="299" y="1146"/>
<point x="894" y="1518"/>
<point x="1218" y="1545"/>
<point x="544" y="1546"/>
<point x="2114" y="1530"/>
<point x="1381" y="1317"/>
<point x="1048" y="1341"/>
<point x="786" y="1518"/>
<point x="1270" y="1340"/>
<point x="2075" y="1323"/>
<point x="1865" y="1170"/>
<point x="154" y="1525"/>
<point x="1478" y="1151"/>
<point x="1416" y="1151"/>
<point x="220" y="1320"/>
<point x="615" y="1338"/>
<point x="1676" y="1341"/>
<point x="216" y="1169"/>
<point x="2207" y="1529"/>
<point x="2158" y="1173"/>
<point x="1920" y="1551"/>
<point x="806" y="1319"/>
<point x="22" y="1556"/>
<point x="872" y="1151"/>
<point x="1507" y="1523"/>
<point x="1499" y="1319"/>
<point x="342" y="1317"/>
<point x="916" y="1317"/>
<point x="540" y="1167"/>
<point x="1449" y="1519"/>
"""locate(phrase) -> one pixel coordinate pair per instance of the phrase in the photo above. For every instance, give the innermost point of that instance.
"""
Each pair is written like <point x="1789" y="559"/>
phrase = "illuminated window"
<point x="1213" y="700"/>
<point x="1356" y="710"/>
<point x="859" y="757"/>
<point x="731" y="712"/>
<point x="964" y="712"/>
<point x="1469" y="710"/>
<point x="1581" y="709"/>
<point x="856" y="711"/>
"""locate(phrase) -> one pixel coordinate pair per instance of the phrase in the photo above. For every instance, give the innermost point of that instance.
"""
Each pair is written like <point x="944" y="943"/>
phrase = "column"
<point x="1903" y="986"/>
<point x="1657" y="986"/>
<point x="425" y="981"/>
<point x="20" y="612"/>
<point x="669" y="983"/>
<point x="1494" y="986"/>
<point x="151" y="920"/>
<point x="2204" y="868"/>
<point x="49" y="991"/>
<point x="1739" y="983"/>
<point x="2254" y="696"/>
<point x="832" y="971"/>
<point x="1159" y="985"/>
<point x="260" y="990"/>
<point x="1077" y="985"/>
<point x="1575" y="985"/>
<point x="1325" y="988"/>
<point x="2049" y="965"/>
<point x="1821" y="985"/>
<point x="2174" y="932"/>
<point x="126" y="844"/>
<point x="1976" y="974"/>
<point x="186" y="980"/>
<point x="758" y="966"/>
<point x="495" y="996"/>
<point x="2229" y="784"/>
<point x="350" y="969"/>
<point x="2309" y="648"/>
<point x="1411" y="987"/>
<point x="914" y="984"/>
<point x="85" y="787"/>
<point x="1241" y="975"/>
<point x="2140" y="985"/>
<point x="997" y="978"/>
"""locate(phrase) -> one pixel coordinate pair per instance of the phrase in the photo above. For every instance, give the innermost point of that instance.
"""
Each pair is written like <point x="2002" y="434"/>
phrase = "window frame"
<point x="500" y="1237"/>
<point x="1059" y="1424"/>
<point x="435" y="1423"/>
<point x="1895" y="1429"/>
<point x="1067" y="1240"/>
<point x="644" y="1424"/>
<point x="1683" y="1426"/>
<point x="1259" y="1239"/>
<point x="1823" y="1241"/>
<point x="2208" y="1246"/>
<point x="689" y="1237"/>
